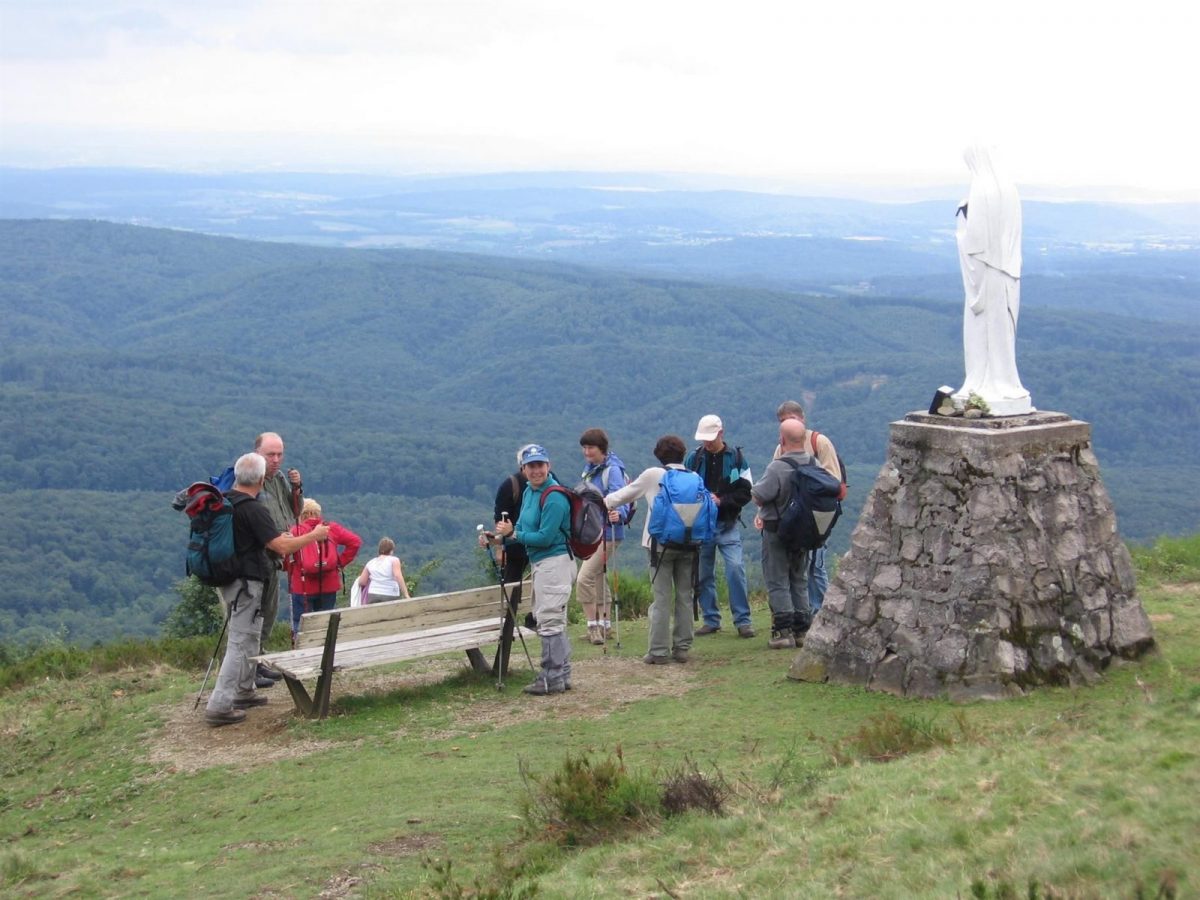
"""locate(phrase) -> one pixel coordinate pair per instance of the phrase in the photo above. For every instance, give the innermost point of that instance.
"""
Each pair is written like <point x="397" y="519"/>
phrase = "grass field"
<point x="420" y="781"/>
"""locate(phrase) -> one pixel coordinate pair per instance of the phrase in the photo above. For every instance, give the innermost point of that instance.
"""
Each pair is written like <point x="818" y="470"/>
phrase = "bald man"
<point x="784" y="571"/>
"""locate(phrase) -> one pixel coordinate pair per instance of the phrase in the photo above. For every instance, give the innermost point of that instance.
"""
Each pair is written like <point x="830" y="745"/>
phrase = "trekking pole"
<point x="510" y="612"/>
<point x="616" y="604"/>
<point x="216" y="650"/>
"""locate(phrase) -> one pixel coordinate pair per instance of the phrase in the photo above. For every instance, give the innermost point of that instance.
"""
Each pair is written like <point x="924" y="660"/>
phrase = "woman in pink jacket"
<point x="315" y="573"/>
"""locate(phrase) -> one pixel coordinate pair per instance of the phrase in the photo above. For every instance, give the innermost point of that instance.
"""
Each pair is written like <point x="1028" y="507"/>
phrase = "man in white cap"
<point x="543" y="528"/>
<point x="727" y="477"/>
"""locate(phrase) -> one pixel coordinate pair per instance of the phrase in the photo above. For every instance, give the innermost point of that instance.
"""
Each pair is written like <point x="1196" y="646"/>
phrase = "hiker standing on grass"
<point x="784" y="571"/>
<point x="606" y="472"/>
<point x="283" y="496"/>
<point x="254" y="535"/>
<point x="382" y="578"/>
<point x="821" y="448"/>
<point x="673" y="569"/>
<point x="315" y="573"/>
<point x="727" y="477"/>
<point x="543" y="527"/>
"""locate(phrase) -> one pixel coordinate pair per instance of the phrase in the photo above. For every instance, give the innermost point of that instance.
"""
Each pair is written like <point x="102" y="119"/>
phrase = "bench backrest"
<point x="396" y="616"/>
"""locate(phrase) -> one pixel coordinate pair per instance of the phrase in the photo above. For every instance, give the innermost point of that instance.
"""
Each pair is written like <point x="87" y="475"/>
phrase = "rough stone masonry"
<point x="986" y="561"/>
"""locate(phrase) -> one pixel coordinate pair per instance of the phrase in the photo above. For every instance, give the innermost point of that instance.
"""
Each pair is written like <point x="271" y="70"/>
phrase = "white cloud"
<point x="1073" y="93"/>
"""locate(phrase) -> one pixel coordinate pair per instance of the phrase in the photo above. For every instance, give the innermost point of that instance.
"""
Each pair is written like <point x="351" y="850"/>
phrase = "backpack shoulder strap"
<point x="697" y="458"/>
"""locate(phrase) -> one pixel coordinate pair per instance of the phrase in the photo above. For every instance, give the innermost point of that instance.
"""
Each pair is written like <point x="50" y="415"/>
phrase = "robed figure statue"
<point x="988" y="233"/>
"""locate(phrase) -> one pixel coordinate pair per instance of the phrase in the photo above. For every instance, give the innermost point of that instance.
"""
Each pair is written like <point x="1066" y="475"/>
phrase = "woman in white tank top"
<point x="383" y="578"/>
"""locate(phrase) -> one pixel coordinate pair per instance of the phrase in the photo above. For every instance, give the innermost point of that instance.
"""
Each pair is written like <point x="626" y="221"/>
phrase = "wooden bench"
<point x="383" y="633"/>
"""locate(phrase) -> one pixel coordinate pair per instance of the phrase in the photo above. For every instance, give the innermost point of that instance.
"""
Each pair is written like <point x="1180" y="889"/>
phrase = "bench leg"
<point x="304" y="703"/>
<point x="478" y="663"/>
<point x="325" y="679"/>
<point x="504" y="648"/>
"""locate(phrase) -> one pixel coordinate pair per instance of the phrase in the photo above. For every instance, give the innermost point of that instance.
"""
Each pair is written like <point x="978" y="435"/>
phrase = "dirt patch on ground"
<point x="406" y="844"/>
<point x="600" y="686"/>
<point x="1183" y="589"/>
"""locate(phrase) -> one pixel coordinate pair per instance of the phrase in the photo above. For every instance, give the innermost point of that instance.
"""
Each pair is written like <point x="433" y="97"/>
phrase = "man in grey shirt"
<point x="785" y="572"/>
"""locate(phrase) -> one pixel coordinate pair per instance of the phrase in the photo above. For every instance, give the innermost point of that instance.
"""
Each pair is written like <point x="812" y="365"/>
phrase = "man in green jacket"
<point x="543" y="528"/>
<point x="283" y="496"/>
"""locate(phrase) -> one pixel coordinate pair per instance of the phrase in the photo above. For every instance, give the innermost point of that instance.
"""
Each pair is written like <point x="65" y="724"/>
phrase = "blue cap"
<point x="534" y="453"/>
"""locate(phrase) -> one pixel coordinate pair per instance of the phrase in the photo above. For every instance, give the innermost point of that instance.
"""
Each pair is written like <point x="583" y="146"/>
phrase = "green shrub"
<point x="634" y="594"/>
<point x="198" y="611"/>
<point x="1169" y="559"/>
<point x="588" y="801"/>
<point x="66" y="662"/>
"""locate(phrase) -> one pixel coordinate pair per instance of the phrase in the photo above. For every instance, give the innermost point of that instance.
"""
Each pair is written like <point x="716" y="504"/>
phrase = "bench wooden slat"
<point x="377" y="619"/>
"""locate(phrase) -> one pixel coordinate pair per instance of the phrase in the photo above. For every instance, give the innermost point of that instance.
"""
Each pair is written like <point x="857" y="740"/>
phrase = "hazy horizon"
<point x="1083" y="100"/>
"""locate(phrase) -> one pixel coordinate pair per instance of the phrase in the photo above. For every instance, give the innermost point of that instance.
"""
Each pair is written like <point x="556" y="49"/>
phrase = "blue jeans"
<point x="818" y="580"/>
<point x="729" y="542"/>
<point x="316" y="603"/>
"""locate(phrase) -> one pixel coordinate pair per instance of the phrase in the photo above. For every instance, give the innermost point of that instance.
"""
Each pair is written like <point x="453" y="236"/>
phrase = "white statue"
<point x="989" y="250"/>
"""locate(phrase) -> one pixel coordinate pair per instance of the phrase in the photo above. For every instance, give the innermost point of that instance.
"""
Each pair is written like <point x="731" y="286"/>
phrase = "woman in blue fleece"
<point x="543" y="527"/>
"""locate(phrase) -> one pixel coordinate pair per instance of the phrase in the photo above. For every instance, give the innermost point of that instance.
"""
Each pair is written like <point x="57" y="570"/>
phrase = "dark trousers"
<point x="515" y="564"/>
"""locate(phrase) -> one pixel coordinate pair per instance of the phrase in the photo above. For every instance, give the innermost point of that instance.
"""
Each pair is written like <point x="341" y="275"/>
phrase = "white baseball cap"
<point x="708" y="429"/>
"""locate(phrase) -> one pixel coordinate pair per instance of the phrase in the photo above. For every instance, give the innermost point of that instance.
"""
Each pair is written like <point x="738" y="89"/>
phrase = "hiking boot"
<point x="261" y="671"/>
<point x="651" y="660"/>
<point x="707" y="629"/>
<point x="607" y="629"/>
<point x="540" y="688"/>
<point x="217" y="719"/>
<point x="596" y="634"/>
<point x="263" y="683"/>
<point x="680" y="656"/>
<point x="781" y="640"/>
<point x="249" y="702"/>
<point x="800" y="636"/>
<point x="746" y="631"/>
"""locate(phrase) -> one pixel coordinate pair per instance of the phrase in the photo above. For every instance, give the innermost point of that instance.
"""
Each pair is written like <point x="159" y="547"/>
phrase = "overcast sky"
<point x="868" y="91"/>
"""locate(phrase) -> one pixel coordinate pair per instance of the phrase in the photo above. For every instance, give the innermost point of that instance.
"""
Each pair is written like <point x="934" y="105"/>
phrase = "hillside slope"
<point x="138" y="360"/>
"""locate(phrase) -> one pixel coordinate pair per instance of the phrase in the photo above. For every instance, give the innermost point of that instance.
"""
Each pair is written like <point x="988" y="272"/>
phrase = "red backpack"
<point x="588" y="517"/>
<point x="317" y="558"/>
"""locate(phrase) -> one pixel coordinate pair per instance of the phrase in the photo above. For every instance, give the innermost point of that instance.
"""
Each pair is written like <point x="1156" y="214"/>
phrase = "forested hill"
<point x="137" y="360"/>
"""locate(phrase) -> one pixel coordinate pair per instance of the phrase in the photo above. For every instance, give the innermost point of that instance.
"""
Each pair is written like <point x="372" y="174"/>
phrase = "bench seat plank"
<point x="377" y="651"/>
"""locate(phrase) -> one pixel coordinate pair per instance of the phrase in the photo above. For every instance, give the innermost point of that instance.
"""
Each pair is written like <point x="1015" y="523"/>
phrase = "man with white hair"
<point x="254" y="535"/>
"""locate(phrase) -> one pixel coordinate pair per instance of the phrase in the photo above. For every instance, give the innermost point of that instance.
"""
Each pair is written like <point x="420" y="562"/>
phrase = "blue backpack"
<point x="211" y="554"/>
<point x="683" y="515"/>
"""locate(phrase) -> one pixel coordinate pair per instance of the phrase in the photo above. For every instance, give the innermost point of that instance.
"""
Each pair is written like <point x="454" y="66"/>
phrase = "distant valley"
<point x="139" y="359"/>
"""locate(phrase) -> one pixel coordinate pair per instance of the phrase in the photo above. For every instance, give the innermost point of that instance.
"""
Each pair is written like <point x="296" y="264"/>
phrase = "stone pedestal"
<point x="986" y="561"/>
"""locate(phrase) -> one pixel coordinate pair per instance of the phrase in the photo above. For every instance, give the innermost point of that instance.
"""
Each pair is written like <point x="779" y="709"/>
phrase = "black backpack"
<point x="813" y="509"/>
